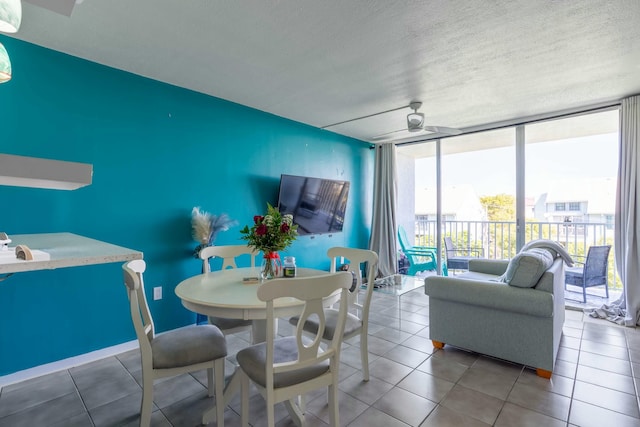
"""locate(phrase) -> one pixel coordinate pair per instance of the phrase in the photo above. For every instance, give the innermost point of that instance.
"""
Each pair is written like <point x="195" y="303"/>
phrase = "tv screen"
<point x="317" y="205"/>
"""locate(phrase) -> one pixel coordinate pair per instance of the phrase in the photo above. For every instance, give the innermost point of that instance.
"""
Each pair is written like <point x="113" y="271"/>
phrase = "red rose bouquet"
<point x="272" y="232"/>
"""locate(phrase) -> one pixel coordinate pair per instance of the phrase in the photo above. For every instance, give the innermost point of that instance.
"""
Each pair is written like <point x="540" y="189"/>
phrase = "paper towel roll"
<point x="23" y="252"/>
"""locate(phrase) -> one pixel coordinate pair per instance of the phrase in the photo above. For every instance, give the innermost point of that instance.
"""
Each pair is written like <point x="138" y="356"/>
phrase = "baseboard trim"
<point x="68" y="363"/>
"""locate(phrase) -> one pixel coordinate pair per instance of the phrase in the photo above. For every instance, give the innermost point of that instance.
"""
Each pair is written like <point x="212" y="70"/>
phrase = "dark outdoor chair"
<point x="594" y="272"/>
<point x="421" y="258"/>
<point x="458" y="258"/>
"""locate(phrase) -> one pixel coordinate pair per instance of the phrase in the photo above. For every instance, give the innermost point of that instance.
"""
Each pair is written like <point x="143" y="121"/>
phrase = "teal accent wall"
<point x="157" y="151"/>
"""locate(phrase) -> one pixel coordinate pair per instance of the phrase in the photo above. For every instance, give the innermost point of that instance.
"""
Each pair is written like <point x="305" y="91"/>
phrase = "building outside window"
<point x="609" y="221"/>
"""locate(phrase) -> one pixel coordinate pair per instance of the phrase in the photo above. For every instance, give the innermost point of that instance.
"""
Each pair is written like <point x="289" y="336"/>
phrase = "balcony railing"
<point x="498" y="238"/>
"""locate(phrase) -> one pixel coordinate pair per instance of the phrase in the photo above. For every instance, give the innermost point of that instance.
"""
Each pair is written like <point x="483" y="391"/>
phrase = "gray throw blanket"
<point x="553" y="246"/>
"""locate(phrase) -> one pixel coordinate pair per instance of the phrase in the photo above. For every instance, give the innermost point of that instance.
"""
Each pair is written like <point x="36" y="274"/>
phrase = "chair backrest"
<point x="403" y="239"/>
<point x="596" y="265"/>
<point x="228" y="254"/>
<point x="140" y="314"/>
<point x="450" y="248"/>
<point x="358" y="260"/>
<point x="311" y="290"/>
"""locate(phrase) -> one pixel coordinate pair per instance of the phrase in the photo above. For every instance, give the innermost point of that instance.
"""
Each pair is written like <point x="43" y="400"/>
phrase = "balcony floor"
<point x="595" y="297"/>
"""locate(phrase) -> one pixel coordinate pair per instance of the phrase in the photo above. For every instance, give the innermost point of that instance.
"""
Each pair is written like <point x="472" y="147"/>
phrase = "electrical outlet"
<point x="157" y="293"/>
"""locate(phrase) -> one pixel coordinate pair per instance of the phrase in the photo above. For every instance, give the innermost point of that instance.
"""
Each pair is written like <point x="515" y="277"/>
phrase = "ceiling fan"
<point x="415" y="124"/>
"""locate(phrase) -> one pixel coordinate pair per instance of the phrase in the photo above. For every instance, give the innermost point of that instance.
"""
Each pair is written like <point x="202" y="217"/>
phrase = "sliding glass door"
<point x="501" y="188"/>
<point x="571" y="168"/>
<point x="479" y="192"/>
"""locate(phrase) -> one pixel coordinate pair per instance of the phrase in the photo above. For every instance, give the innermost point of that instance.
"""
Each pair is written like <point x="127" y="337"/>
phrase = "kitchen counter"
<point x="63" y="250"/>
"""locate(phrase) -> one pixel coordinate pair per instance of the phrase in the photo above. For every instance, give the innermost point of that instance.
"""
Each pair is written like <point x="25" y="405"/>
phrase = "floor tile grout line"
<point x="504" y="401"/>
<point x="75" y="391"/>
<point x="575" y="374"/>
<point x="84" y="405"/>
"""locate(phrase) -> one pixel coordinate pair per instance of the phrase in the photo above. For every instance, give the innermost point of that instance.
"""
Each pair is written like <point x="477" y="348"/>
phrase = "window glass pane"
<point x="479" y="193"/>
<point x="412" y="224"/>
<point x="425" y="202"/>
<point x="571" y="168"/>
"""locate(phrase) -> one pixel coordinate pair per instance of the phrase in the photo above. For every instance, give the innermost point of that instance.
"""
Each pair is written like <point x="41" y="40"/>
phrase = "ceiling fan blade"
<point x="443" y="129"/>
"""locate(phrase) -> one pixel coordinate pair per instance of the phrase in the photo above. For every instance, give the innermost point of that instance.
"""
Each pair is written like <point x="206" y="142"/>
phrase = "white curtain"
<point x="383" y="230"/>
<point x="626" y="310"/>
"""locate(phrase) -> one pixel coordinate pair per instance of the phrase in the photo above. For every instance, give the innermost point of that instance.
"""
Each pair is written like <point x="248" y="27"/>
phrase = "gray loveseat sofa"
<point x="491" y="309"/>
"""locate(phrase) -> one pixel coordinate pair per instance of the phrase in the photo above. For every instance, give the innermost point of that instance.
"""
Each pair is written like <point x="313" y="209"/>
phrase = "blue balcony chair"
<point x="421" y="258"/>
<point x="458" y="258"/>
<point x="594" y="272"/>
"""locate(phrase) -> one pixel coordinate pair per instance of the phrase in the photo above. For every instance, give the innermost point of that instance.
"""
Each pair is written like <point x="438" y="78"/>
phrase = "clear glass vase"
<point x="271" y="266"/>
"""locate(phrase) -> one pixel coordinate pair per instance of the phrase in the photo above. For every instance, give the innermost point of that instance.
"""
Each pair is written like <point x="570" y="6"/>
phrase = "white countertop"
<point x="64" y="250"/>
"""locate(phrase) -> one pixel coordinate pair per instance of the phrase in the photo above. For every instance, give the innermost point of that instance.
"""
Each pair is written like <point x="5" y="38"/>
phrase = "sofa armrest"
<point x="488" y="266"/>
<point x="494" y="295"/>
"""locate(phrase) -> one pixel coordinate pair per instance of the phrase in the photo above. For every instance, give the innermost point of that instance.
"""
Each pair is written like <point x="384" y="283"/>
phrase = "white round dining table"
<point x="223" y="293"/>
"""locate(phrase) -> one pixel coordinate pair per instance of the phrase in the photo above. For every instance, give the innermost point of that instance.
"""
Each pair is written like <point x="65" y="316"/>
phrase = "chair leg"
<point x="334" y="416"/>
<point x="606" y="290"/>
<point x="210" y="382"/>
<point x="584" y="294"/>
<point x="244" y="399"/>
<point x="271" y="412"/>
<point x="147" y="399"/>
<point x="364" y="355"/>
<point x="218" y="367"/>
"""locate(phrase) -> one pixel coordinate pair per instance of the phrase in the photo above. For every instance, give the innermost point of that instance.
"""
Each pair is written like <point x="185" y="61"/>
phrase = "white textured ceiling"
<point x="470" y="62"/>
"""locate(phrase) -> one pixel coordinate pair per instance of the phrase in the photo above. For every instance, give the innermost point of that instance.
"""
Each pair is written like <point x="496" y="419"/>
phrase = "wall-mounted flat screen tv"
<point x="318" y="205"/>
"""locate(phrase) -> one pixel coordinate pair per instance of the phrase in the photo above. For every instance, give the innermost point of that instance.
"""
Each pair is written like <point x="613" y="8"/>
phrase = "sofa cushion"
<point x="526" y="268"/>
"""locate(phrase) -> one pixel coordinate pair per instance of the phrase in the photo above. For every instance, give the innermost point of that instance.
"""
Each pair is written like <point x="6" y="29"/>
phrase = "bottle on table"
<point x="289" y="266"/>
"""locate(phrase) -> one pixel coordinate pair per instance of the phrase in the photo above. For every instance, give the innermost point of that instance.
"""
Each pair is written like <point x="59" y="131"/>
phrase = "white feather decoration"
<point x="201" y="226"/>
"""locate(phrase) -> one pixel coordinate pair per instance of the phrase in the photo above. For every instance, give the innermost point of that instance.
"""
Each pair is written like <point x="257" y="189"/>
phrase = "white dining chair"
<point x="285" y="368"/>
<point x="179" y="351"/>
<point x="358" y="316"/>
<point x="228" y="253"/>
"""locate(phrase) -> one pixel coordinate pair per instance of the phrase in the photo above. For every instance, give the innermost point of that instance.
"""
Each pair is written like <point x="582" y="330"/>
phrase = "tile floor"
<point x="594" y="383"/>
